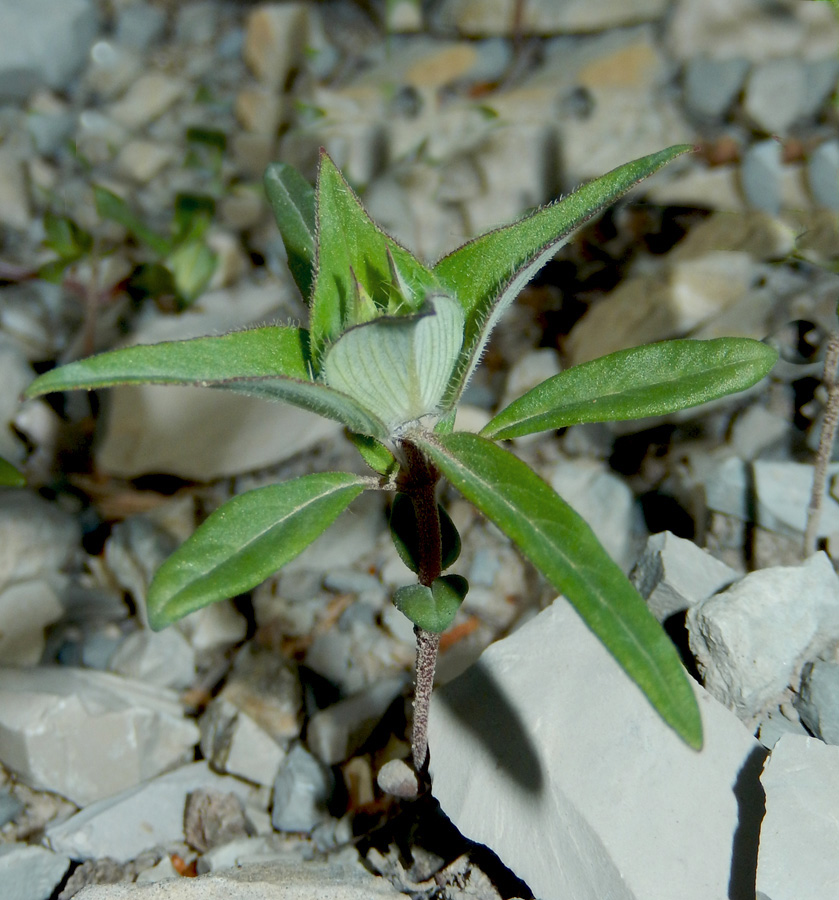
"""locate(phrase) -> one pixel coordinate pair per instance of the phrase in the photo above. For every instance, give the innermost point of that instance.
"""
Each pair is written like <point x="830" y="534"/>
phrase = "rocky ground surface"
<point x="241" y="747"/>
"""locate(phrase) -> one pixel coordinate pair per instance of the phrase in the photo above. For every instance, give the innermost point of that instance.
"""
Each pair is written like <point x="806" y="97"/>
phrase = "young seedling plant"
<point x="389" y="350"/>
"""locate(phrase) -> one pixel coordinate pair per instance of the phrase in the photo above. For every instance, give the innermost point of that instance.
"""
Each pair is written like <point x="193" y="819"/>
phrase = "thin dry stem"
<point x="427" y="645"/>
<point x="826" y="439"/>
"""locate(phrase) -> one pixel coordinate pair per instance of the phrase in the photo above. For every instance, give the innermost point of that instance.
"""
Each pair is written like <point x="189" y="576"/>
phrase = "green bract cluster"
<point x="390" y="347"/>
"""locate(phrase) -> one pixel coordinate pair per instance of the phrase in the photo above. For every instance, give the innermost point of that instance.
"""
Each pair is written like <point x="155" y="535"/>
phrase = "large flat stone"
<point x="87" y="735"/>
<point x="141" y="818"/>
<point x="284" y="880"/>
<point x="800" y="833"/>
<point x="546" y="752"/>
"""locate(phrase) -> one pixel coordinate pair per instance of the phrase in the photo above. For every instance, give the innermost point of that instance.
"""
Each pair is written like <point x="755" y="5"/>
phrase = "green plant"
<point x="9" y="475"/>
<point x="390" y="347"/>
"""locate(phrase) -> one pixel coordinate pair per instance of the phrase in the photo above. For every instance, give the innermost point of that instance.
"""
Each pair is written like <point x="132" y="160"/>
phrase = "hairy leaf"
<point x="652" y="380"/>
<point x="270" y="362"/>
<point x="292" y="199"/>
<point x="246" y="540"/>
<point x="434" y="608"/>
<point x="353" y="252"/>
<point x="487" y="273"/>
<point x="557" y="540"/>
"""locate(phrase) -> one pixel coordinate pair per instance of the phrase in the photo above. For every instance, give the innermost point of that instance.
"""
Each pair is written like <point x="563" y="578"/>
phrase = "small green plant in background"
<point x="389" y="350"/>
<point x="9" y="475"/>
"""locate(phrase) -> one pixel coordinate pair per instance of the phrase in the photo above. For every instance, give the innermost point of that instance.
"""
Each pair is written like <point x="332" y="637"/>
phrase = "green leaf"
<point x="245" y="541"/>
<point x="404" y="531"/>
<point x="374" y="453"/>
<point x="398" y="366"/>
<point x="270" y="362"/>
<point x="562" y="546"/>
<point x="64" y="237"/>
<point x="644" y="381"/>
<point x="487" y="273"/>
<point x="9" y="475"/>
<point x="351" y="246"/>
<point x="110" y="206"/>
<point x="292" y="199"/>
<point x="434" y="608"/>
<point x="192" y="265"/>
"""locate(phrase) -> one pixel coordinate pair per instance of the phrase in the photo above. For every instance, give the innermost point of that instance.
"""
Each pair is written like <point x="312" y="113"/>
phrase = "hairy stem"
<point x="427" y="645"/>
<point x="420" y="484"/>
<point x="826" y="439"/>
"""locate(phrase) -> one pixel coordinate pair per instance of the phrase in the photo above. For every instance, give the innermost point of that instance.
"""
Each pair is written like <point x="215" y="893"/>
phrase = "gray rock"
<point x="163" y="658"/>
<point x="547" y="753"/>
<point x="757" y="430"/>
<point x="606" y="503"/>
<point x="26" y="609"/>
<point x="800" y="831"/>
<point x="140" y="25"/>
<point x="761" y="174"/>
<point x="712" y="85"/>
<point x="275" y="38"/>
<point x="147" y="98"/>
<point x="544" y="16"/>
<point x="301" y="792"/>
<point x="197" y="22"/>
<point x="29" y="872"/>
<point x="336" y="732"/>
<point x="822" y="75"/>
<point x="115" y="732"/>
<point x="818" y="700"/>
<point x="776" y="93"/>
<point x="212" y="819"/>
<point x="10" y="807"/>
<point x="246" y="851"/>
<point x="286" y="880"/>
<point x="198" y="433"/>
<point x="774" y="725"/>
<point x="43" y="42"/>
<point x="36" y="537"/>
<point x="823" y="175"/>
<point x="397" y="778"/>
<point x="782" y="495"/>
<point x="752" y="640"/>
<point x="141" y="818"/>
<point x="266" y="687"/>
<point x="233" y="742"/>
<point x="673" y="574"/>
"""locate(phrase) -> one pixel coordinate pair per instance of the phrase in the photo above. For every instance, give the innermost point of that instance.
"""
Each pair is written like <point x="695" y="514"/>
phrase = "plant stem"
<point x="420" y="484"/>
<point x="427" y="645"/>
<point x="826" y="439"/>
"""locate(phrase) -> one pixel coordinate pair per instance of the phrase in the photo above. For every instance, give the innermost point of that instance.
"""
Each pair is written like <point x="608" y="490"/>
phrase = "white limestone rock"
<point x="114" y="732"/>
<point x="606" y="503"/>
<point x="36" y="537"/>
<point x="673" y="574"/>
<point x="751" y="641"/>
<point x="236" y="744"/>
<point x="547" y="753"/>
<point x="800" y="832"/>
<point x="301" y="792"/>
<point x="198" y="433"/>
<point x="163" y="658"/>
<point x="818" y="700"/>
<point x="26" y="609"/>
<point x="275" y="41"/>
<point x="143" y="817"/>
<point x="776" y="93"/>
<point x="30" y="872"/>
<point x="279" y="880"/>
